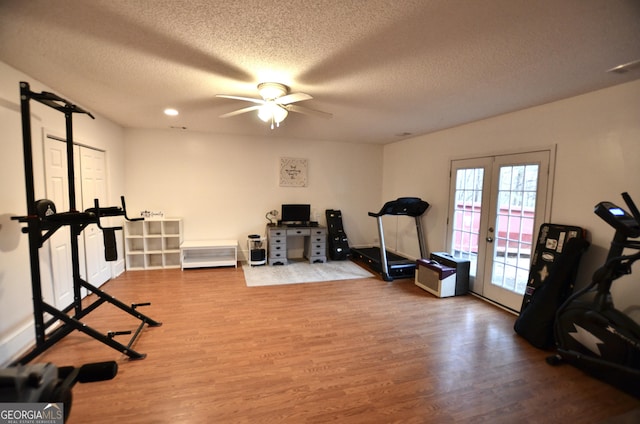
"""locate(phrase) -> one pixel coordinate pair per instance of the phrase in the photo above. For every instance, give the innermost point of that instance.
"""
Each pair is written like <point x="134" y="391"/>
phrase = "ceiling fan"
<point x="275" y="105"/>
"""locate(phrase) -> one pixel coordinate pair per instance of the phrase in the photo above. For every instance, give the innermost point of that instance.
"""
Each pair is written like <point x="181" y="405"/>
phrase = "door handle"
<point x="489" y="239"/>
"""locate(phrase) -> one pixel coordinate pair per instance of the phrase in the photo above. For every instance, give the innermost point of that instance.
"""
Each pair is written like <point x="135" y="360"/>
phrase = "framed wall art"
<point x="293" y="172"/>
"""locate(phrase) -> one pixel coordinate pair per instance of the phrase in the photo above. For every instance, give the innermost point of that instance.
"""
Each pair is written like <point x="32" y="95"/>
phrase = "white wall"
<point x="16" y="310"/>
<point x="222" y="186"/>
<point x="598" y="157"/>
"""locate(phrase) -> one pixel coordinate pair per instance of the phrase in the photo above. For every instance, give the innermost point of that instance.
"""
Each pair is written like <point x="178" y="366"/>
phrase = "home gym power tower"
<point x="42" y="222"/>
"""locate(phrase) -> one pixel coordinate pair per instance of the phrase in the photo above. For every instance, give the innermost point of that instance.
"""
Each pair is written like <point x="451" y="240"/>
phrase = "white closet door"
<point x="78" y="188"/>
<point x="55" y="162"/>
<point x="89" y="184"/>
<point x="93" y="181"/>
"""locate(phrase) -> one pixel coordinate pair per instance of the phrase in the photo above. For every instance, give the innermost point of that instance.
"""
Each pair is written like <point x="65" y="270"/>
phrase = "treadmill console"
<point x="618" y="218"/>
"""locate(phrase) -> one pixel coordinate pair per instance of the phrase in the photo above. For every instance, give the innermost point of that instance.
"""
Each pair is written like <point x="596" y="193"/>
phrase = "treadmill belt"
<point x="373" y="253"/>
<point x="398" y="266"/>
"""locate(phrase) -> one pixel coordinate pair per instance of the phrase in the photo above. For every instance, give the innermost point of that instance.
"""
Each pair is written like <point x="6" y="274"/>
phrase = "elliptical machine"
<point x="590" y="333"/>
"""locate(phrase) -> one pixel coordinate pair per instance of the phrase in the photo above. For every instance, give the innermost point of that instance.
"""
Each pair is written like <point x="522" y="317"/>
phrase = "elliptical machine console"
<point x="590" y="333"/>
<point x="618" y="218"/>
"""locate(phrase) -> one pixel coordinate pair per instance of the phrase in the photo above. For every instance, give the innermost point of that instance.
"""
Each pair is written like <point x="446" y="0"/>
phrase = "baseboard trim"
<point x="17" y="344"/>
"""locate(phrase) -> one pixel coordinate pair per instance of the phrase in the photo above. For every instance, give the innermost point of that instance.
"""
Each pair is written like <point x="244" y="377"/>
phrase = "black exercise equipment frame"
<point x="600" y="310"/>
<point x="41" y="228"/>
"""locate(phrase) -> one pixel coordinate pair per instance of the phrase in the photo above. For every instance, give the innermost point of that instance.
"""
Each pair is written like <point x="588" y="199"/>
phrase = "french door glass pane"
<point x="517" y="188"/>
<point x="466" y="215"/>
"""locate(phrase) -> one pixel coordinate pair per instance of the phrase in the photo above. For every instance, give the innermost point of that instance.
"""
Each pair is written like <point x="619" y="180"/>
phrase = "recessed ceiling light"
<point x="171" y="112"/>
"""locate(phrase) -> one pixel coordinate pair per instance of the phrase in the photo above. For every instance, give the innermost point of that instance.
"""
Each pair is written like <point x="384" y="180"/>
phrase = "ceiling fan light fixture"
<point x="271" y="112"/>
<point x="625" y="67"/>
<point x="272" y="90"/>
<point x="279" y="113"/>
<point x="264" y="113"/>
<point x="275" y="104"/>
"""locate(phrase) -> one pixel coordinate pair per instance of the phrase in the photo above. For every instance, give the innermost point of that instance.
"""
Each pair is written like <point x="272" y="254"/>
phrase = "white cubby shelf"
<point x="152" y="243"/>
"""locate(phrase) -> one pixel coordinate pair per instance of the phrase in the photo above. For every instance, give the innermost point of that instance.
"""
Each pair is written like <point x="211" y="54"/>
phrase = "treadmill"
<point x="390" y="265"/>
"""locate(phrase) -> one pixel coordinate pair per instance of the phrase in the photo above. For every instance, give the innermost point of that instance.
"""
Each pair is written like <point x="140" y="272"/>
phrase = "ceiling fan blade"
<point x="246" y="99"/>
<point x="239" y="111"/>
<point x="307" y="111"/>
<point x="292" y="98"/>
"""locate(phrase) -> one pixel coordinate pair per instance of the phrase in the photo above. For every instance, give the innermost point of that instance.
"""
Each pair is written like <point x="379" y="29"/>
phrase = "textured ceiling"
<point x="384" y="69"/>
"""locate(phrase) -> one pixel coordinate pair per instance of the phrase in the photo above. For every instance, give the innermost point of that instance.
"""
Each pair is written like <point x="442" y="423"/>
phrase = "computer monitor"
<point x="297" y="213"/>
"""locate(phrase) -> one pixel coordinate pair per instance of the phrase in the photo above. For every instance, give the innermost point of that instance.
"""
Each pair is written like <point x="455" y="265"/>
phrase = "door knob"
<point x="490" y="239"/>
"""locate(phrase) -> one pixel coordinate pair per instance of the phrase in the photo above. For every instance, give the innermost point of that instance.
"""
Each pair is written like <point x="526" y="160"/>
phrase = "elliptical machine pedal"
<point x="590" y="333"/>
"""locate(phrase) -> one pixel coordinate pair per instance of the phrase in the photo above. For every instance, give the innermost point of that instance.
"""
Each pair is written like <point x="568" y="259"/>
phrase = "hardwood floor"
<point x="354" y="351"/>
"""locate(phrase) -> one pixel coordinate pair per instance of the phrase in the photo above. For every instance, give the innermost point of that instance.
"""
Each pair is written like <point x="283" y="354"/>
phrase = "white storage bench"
<point x="209" y="253"/>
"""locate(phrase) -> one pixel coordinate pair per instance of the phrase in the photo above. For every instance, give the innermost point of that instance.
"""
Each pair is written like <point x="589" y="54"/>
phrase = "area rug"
<point x="302" y="272"/>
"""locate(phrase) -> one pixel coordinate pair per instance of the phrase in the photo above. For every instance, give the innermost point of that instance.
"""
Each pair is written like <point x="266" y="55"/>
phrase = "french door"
<point x="496" y="205"/>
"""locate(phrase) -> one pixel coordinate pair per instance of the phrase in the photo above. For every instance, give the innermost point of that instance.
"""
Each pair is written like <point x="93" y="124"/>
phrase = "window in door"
<point x="517" y="193"/>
